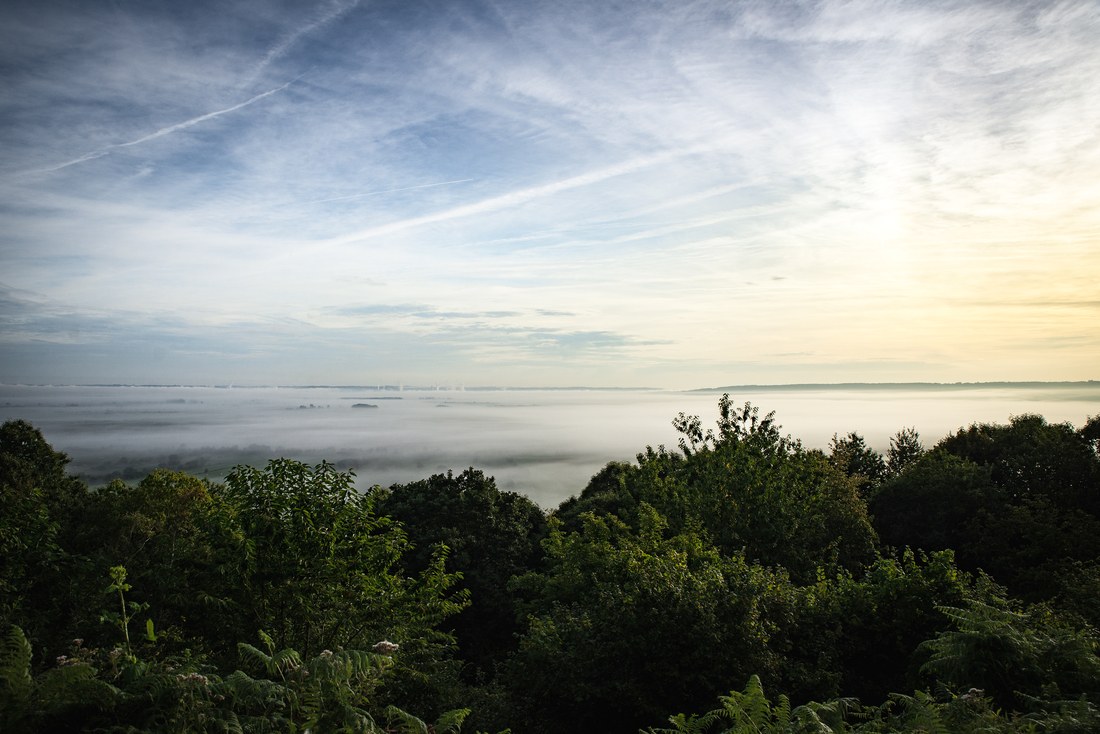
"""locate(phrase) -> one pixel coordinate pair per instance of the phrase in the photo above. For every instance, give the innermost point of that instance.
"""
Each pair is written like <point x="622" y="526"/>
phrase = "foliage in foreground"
<point x="278" y="691"/>
<point x="1027" y="663"/>
<point x="266" y="603"/>
<point x="751" y="712"/>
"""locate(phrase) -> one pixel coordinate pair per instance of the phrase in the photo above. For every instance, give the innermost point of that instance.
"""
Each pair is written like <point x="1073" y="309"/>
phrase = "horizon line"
<point x="399" y="387"/>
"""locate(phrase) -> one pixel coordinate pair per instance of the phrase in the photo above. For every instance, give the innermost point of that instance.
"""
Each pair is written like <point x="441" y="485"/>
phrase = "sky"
<point x="480" y="192"/>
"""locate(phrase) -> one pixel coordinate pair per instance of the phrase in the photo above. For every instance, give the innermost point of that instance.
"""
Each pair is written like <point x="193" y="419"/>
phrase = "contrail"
<point x="520" y="196"/>
<point x="203" y="118"/>
<point x="164" y="130"/>
<point x="281" y="48"/>
<point x="387" y="191"/>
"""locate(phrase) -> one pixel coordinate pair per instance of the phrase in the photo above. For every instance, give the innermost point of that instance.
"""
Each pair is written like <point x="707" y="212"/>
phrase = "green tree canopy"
<point x="905" y="449"/>
<point x="1018" y="501"/>
<point x="746" y="488"/>
<point x="626" y="623"/>
<point x="1029" y="457"/>
<point x="322" y="568"/>
<point x="39" y="509"/>
<point x="491" y="536"/>
<point x="855" y="458"/>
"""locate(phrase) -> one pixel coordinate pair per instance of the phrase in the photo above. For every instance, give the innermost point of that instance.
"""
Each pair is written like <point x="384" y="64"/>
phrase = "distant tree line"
<point x="739" y="582"/>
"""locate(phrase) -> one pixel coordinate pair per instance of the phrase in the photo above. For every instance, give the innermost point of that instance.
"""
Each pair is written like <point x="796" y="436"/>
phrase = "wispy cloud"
<point x="164" y="131"/>
<point x="336" y="11"/>
<point x="350" y="197"/>
<point x="517" y="197"/>
<point x="486" y="173"/>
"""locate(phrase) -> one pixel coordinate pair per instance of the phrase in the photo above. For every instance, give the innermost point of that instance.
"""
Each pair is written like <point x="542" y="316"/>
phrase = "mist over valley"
<point x="545" y="444"/>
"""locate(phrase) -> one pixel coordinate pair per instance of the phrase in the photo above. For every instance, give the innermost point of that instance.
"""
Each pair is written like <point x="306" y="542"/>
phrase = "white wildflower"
<point x="385" y="647"/>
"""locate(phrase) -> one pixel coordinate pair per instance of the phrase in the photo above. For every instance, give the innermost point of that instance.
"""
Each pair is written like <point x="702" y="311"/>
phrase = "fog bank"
<point x="545" y="444"/>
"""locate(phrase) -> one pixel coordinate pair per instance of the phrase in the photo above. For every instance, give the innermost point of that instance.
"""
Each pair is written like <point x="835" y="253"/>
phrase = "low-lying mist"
<point x="545" y="444"/>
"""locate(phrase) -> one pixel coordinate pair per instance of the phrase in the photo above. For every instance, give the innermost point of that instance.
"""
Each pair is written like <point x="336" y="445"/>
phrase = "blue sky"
<point x="669" y="194"/>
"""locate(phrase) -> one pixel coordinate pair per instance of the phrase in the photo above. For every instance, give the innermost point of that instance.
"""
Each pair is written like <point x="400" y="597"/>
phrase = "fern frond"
<point x="920" y="712"/>
<point x="450" y="722"/>
<point x="74" y="685"/>
<point x="268" y="642"/>
<point x="348" y="718"/>
<point x="806" y="720"/>
<point x="750" y="708"/>
<point x="249" y="653"/>
<point x="249" y="695"/>
<point x="284" y="661"/>
<point x="781" y="712"/>
<point x="833" y="714"/>
<point x="687" y="724"/>
<point x="153" y="686"/>
<point x="405" y="722"/>
<point x="15" y="667"/>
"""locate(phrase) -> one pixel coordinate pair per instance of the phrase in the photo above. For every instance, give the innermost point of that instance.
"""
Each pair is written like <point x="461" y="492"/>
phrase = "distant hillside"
<point x="938" y="386"/>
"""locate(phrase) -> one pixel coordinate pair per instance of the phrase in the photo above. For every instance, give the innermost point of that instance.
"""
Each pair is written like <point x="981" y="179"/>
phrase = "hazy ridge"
<point x="575" y="388"/>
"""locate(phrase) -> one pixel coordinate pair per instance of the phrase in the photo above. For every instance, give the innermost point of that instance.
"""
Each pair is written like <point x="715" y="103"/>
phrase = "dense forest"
<point x="739" y="582"/>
